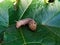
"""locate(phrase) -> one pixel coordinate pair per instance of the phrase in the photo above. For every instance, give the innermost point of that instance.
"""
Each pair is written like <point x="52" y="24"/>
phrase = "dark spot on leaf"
<point x="51" y="1"/>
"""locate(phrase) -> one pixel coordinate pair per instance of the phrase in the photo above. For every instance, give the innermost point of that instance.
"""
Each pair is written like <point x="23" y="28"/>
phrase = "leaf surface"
<point x="47" y="18"/>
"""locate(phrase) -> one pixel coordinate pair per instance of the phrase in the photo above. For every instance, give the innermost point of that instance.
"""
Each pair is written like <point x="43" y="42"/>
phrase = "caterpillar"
<point x="31" y="23"/>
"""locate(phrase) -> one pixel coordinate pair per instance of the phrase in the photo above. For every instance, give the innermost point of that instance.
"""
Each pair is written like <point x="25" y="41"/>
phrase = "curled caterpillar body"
<point x="31" y="23"/>
<point x="22" y="22"/>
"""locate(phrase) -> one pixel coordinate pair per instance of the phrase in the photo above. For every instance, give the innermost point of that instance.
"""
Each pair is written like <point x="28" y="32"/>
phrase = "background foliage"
<point x="47" y="17"/>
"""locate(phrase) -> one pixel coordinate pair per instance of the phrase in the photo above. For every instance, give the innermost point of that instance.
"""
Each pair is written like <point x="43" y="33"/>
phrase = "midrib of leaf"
<point x="33" y="43"/>
<point x="47" y="20"/>
<point x="22" y="36"/>
<point x="25" y="43"/>
<point x="20" y="18"/>
<point x="25" y="10"/>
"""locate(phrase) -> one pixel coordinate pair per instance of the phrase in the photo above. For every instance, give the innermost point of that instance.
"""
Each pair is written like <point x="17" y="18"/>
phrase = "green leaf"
<point x="12" y="36"/>
<point x="47" y="17"/>
<point x="22" y="5"/>
<point x="4" y="16"/>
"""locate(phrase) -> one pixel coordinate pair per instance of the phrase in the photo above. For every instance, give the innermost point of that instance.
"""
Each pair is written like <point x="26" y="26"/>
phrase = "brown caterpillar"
<point x="31" y="23"/>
